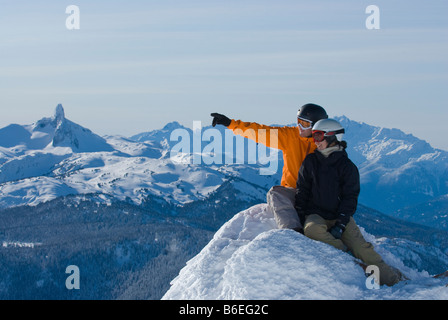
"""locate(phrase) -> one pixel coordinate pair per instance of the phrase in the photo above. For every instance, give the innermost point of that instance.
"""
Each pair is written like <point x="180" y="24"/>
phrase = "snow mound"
<point x="250" y="259"/>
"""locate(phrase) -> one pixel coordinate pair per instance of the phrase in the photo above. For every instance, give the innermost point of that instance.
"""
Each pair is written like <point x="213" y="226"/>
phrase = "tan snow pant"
<point x="281" y="200"/>
<point x="317" y="228"/>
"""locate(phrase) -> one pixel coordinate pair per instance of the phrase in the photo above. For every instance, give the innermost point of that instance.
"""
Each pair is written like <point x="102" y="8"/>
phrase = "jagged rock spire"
<point x="59" y="113"/>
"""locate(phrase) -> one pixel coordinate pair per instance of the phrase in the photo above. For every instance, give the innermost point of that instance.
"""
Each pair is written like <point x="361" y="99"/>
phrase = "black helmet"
<point x="312" y="112"/>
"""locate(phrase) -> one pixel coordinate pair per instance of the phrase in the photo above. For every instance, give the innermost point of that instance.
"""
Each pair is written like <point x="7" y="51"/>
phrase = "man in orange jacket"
<point x="296" y="143"/>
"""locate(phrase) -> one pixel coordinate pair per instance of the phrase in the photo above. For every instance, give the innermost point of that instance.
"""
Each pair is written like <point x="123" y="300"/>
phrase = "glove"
<point x="220" y="119"/>
<point x="337" y="230"/>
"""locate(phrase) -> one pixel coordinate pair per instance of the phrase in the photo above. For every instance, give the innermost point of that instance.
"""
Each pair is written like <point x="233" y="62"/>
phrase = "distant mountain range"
<point x="397" y="170"/>
<point x="130" y="212"/>
<point x="55" y="157"/>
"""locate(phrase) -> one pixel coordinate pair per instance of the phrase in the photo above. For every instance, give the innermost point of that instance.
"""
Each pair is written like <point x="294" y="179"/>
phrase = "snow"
<point x="250" y="259"/>
<point x="55" y="157"/>
<point x="33" y="191"/>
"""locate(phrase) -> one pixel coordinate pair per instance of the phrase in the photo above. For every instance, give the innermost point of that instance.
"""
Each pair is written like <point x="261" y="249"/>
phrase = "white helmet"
<point x="329" y="128"/>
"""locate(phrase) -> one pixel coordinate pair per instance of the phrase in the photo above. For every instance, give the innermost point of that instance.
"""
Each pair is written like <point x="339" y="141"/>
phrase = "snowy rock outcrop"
<point x="249" y="258"/>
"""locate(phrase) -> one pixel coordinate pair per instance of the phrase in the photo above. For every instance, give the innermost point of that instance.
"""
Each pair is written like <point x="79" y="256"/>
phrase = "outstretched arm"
<point x="272" y="137"/>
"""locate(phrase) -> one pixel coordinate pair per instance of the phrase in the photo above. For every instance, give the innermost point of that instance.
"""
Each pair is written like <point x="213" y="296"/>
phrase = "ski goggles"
<point x="319" y="136"/>
<point x="304" y="124"/>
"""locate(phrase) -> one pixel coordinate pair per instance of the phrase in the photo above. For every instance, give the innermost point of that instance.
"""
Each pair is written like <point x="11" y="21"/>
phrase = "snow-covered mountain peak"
<point x="49" y="133"/>
<point x="172" y="126"/>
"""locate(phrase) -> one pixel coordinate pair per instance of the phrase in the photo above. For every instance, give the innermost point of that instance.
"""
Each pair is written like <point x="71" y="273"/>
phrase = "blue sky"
<point x="134" y="66"/>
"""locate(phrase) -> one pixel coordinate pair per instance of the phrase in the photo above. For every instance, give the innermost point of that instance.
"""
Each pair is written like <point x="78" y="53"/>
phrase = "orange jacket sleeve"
<point x="271" y="137"/>
<point x="287" y="139"/>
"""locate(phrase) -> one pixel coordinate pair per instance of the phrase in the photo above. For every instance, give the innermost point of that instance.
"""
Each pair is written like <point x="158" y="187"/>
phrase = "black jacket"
<point x="328" y="187"/>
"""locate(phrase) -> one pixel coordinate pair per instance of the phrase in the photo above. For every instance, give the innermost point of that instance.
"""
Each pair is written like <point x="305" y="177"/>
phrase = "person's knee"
<point x="279" y="196"/>
<point x="274" y="191"/>
<point x="271" y="193"/>
<point x="314" y="230"/>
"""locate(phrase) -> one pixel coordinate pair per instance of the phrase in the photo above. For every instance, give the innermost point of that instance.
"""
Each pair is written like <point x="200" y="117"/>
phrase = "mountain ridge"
<point x="397" y="170"/>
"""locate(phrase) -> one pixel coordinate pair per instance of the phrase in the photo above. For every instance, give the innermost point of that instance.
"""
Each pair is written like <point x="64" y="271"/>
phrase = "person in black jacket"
<point x="327" y="197"/>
